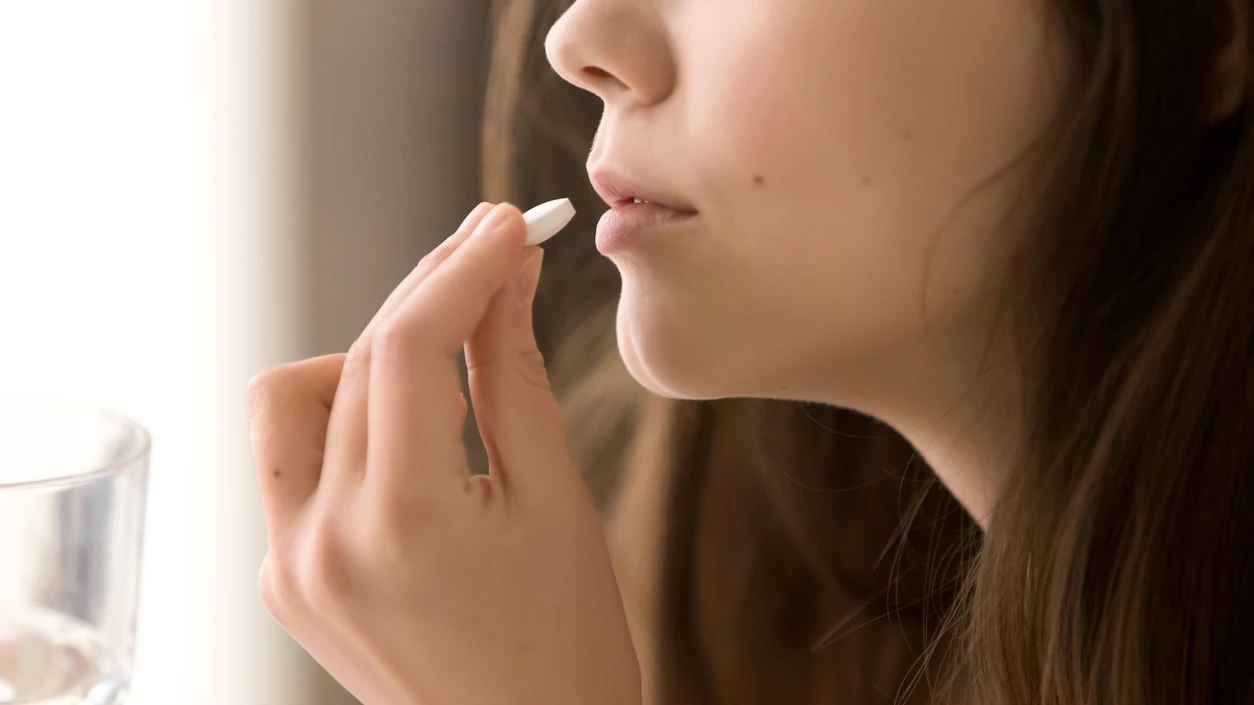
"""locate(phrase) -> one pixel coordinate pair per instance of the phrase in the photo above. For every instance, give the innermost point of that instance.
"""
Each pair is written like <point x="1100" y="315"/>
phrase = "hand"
<point x="411" y="581"/>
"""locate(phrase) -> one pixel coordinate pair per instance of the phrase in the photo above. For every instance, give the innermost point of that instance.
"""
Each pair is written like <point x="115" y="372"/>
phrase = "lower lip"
<point x="627" y="223"/>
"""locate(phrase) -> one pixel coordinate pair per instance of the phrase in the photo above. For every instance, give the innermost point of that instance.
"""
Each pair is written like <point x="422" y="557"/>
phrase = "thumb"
<point x="517" y="414"/>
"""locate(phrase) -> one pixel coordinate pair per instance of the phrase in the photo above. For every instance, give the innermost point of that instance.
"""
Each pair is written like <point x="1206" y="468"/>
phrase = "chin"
<point x="670" y="358"/>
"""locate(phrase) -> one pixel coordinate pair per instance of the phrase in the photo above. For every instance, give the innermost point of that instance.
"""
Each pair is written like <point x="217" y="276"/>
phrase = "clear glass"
<point x="72" y="488"/>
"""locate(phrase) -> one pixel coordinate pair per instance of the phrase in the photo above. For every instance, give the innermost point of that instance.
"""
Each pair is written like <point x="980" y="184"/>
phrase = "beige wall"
<point x="391" y="105"/>
<point x="389" y="121"/>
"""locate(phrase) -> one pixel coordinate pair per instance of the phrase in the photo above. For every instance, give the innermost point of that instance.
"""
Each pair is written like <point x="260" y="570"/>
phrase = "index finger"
<point x="426" y="265"/>
<point x="415" y="389"/>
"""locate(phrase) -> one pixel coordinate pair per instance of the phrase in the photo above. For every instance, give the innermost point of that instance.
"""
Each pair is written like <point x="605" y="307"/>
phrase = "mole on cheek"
<point x="759" y="179"/>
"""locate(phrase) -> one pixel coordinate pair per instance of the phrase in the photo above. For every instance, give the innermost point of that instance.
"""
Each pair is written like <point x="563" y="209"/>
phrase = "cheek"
<point x="856" y="135"/>
<point x="801" y="146"/>
<point x="788" y="108"/>
<point x="909" y="103"/>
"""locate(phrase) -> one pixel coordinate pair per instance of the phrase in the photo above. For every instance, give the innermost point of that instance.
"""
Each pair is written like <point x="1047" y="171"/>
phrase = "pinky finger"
<point x="288" y="408"/>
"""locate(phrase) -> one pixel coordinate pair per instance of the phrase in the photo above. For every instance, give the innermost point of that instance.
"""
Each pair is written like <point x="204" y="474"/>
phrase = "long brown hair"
<point x="1118" y="566"/>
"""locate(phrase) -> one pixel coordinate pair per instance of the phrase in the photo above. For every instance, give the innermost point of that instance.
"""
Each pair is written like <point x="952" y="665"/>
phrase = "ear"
<point x="1232" y="66"/>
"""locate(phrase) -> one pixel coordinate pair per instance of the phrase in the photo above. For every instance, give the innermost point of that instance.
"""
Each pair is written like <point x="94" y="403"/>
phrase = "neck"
<point x="968" y="437"/>
<point x="962" y="413"/>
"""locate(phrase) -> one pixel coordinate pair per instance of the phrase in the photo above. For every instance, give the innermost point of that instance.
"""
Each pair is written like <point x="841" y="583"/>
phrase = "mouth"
<point x="635" y="211"/>
<point x="619" y="191"/>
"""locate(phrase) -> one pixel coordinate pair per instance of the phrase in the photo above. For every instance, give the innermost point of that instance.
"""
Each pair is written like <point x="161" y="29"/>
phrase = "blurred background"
<point x="190" y="192"/>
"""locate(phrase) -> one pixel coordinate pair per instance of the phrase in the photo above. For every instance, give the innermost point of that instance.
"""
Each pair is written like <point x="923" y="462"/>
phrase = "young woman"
<point x="1019" y="232"/>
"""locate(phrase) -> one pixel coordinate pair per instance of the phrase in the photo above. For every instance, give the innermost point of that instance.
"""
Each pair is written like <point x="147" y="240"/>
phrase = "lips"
<point x="619" y="191"/>
<point x="636" y="212"/>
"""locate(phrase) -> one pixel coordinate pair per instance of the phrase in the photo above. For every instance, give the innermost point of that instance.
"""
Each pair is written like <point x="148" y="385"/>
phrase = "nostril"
<point x="601" y="79"/>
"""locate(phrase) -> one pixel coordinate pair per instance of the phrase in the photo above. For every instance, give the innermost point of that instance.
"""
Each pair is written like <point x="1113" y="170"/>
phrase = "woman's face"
<point x="832" y="151"/>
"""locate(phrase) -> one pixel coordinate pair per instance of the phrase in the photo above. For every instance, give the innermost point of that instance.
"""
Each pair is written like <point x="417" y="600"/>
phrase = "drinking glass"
<point x="72" y="487"/>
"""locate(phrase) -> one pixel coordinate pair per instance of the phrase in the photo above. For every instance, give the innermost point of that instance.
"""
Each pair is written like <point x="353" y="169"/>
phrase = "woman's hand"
<point x="409" y="580"/>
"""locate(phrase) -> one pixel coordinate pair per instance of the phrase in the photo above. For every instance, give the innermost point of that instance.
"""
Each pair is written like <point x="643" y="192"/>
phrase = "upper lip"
<point x="617" y="190"/>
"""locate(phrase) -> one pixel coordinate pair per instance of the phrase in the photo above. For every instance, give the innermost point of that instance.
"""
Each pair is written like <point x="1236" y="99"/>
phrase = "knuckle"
<point x="396" y="544"/>
<point x="429" y="259"/>
<point x="394" y="340"/>
<point x="484" y="284"/>
<point x="392" y="522"/>
<point x="387" y="547"/>
<point x="357" y="360"/>
<point x="280" y="385"/>
<point x="526" y="364"/>
<point x="324" y="582"/>
<point x="438" y="255"/>
<point x="481" y="491"/>
<point x="275" y="585"/>
<point x="531" y="369"/>
<point x="394" y="533"/>
<point x="261" y="389"/>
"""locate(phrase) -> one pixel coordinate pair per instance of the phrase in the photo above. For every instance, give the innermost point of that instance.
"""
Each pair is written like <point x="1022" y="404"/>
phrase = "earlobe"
<point x="1232" y="67"/>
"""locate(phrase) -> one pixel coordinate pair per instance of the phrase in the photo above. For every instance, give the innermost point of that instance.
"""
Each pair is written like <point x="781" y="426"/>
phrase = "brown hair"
<point x="1118" y="566"/>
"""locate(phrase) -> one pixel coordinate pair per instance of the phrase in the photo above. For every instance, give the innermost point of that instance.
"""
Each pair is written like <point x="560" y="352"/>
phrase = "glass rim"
<point x="136" y="450"/>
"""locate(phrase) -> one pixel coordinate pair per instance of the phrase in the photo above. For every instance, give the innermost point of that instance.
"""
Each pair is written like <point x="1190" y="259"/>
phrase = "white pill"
<point x="547" y="219"/>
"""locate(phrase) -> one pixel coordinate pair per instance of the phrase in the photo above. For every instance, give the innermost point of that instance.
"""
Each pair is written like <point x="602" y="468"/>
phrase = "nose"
<point x="618" y="49"/>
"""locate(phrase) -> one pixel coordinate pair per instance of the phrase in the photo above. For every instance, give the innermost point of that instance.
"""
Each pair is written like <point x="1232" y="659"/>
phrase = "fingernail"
<point x="475" y="214"/>
<point x="529" y="279"/>
<point x="493" y="221"/>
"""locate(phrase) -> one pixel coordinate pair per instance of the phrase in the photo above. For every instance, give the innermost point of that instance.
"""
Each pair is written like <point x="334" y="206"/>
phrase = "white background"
<point x="146" y="263"/>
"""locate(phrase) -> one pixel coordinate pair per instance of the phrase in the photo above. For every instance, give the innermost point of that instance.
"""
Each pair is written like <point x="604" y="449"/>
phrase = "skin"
<point x="409" y="580"/>
<point x="841" y="253"/>
<point x="844" y="251"/>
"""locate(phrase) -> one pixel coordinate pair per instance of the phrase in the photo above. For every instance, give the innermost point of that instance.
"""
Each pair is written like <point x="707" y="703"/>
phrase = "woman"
<point x="1019" y="233"/>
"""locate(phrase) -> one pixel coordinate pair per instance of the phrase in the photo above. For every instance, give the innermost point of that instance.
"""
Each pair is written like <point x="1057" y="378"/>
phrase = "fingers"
<point x="349" y="423"/>
<point x="346" y="427"/>
<point x="517" y="414"/>
<point x="425" y="267"/>
<point x="414" y="419"/>
<point x="288" y="410"/>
